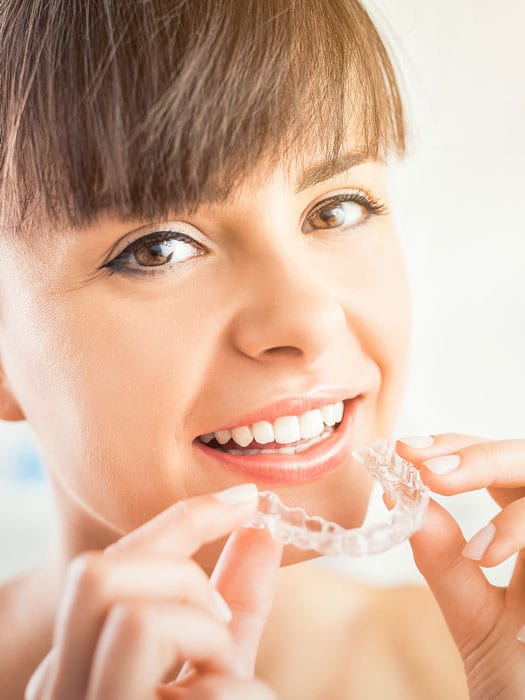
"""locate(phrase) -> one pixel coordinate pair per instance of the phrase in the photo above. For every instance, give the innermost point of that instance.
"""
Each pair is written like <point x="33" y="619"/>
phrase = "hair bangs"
<point x="152" y="107"/>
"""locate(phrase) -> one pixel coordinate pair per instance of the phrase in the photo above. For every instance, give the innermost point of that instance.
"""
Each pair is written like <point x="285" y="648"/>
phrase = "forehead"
<point x="305" y="172"/>
<point x="293" y="180"/>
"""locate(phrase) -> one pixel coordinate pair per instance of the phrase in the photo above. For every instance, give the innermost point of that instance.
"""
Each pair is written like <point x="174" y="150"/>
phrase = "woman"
<point x="197" y="260"/>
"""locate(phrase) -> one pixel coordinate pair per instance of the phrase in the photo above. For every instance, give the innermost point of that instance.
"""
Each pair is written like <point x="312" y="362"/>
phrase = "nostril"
<point x="283" y="350"/>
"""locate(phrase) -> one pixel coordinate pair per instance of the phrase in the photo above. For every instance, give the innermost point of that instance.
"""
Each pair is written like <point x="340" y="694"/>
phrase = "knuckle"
<point x="87" y="573"/>
<point x="185" y="514"/>
<point x="489" y="452"/>
<point x="127" y="620"/>
<point x="188" y="513"/>
<point x="181" y="508"/>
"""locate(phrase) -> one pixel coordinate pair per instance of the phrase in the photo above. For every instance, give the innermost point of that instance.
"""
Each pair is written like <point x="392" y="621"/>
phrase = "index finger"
<point x="452" y="465"/>
<point x="183" y="528"/>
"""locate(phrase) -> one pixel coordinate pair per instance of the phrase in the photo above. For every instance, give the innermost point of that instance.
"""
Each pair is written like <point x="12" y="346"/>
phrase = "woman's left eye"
<point x="344" y="211"/>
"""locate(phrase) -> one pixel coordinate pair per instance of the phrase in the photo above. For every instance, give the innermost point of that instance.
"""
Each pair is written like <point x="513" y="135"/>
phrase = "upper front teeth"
<point x="286" y="429"/>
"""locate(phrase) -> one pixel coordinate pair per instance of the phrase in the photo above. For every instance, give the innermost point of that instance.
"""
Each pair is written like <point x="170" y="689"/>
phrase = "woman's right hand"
<point x="131" y="613"/>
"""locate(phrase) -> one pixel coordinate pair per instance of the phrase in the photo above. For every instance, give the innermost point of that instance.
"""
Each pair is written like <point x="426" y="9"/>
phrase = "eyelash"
<point x="373" y="206"/>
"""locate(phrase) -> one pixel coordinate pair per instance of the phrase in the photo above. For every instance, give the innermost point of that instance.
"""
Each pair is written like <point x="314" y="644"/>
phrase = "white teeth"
<point x="287" y="429"/>
<point x="289" y="450"/>
<point x="284" y="430"/>
<point x="328" y="413"/>
<point x="242" y="436"/>
<point x="311" y="424"/>
<point x="223" y="436"/>
<point x="263" y="432"/>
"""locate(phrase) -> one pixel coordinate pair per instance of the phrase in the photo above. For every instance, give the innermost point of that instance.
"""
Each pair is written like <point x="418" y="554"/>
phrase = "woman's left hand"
<point x="486" y="622"/>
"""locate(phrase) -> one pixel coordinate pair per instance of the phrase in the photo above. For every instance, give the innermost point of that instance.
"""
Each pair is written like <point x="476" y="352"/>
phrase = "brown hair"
<point x="147" y="107"/>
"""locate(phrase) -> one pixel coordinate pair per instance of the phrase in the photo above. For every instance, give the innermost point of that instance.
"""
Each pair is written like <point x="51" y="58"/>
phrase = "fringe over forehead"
<point x="146" y="107"/>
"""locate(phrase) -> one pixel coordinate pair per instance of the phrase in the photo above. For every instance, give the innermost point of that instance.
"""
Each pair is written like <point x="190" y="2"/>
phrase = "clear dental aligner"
<point x="399" y="480"/>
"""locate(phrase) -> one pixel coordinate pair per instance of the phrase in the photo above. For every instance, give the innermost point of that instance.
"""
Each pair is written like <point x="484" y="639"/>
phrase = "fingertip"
<point x="415" y="442"/>
<point x="439" y="540"/>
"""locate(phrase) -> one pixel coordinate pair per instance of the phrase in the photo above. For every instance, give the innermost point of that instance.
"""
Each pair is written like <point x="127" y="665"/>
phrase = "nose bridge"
<point x="287" y="307"/>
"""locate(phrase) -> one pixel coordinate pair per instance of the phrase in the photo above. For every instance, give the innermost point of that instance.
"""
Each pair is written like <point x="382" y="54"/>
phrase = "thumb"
<point x="469" y="603"/>
<point x="246" y="575"/>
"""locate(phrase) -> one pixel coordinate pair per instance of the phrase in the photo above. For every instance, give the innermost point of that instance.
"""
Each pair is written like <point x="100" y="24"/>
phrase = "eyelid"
<point x="375" y="205"/>
<point x="150" y="229"/>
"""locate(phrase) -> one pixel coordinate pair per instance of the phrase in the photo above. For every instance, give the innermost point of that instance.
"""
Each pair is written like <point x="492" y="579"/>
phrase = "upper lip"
<point x="292" y="406"/>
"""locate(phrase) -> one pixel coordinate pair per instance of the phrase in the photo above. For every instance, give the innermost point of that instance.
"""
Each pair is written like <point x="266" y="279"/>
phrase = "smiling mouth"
<point x="286" y="435"/>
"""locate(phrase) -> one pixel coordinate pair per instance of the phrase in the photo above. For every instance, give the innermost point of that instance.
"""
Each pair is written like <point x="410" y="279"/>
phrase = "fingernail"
<point x="237" y="494"/>
<point x="477" y="546"/>
<point x="521" y="635"/>
<point x="221" y="606"/>
<point x="442" y="465"/>
<point x="418" y="441"/>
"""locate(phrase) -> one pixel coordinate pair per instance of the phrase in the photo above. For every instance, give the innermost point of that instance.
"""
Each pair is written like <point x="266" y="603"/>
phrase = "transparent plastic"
<point x="400" y="482"/>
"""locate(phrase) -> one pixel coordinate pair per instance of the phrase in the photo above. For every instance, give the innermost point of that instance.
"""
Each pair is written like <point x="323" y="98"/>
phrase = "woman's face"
<point x="263" y="299"/>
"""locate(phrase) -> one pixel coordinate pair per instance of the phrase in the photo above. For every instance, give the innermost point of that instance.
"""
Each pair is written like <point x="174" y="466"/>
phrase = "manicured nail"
<point x="442" y="465"/>
<point x="221" y="606"/>
<point x="418" y="441"/>
<point x="521" y="635"/>
<point x="237" y="494"/>
<point x="477" y="546"/>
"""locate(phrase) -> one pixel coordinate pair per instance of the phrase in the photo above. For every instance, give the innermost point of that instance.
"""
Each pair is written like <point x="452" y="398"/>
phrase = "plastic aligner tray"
<point x="399" y="480"/>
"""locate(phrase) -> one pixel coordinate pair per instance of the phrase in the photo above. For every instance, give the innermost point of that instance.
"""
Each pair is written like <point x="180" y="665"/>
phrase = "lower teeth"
<point x="285" y="450"/>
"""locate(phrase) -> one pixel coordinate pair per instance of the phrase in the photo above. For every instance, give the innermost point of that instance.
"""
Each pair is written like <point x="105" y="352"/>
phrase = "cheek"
<point x="106" y="382"/>
<point x="377" y="304"/>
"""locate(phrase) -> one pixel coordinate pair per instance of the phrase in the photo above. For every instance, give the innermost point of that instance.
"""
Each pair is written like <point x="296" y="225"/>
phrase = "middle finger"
<point x="141" y="642"/>
<point x="95" y="583"/>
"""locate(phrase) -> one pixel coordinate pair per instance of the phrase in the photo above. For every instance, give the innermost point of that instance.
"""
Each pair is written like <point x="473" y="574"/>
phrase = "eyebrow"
<point x="326" y="169"/>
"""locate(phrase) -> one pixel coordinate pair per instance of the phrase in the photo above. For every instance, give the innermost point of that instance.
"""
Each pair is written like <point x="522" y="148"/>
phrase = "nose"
<point x="289" y="312"/>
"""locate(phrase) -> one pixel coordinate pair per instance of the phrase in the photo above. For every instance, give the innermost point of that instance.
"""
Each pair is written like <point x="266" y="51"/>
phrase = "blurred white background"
<point x="457" y="199"/>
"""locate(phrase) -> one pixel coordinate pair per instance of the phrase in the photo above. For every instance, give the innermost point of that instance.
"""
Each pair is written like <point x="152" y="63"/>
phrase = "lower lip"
<point x="320" y="459"/>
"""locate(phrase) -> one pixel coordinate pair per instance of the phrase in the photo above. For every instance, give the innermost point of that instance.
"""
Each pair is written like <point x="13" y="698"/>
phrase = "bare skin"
<point x="353" y="641"/>
<point x="366" y="640"/>
<point x="118" y="375"/>
<point x="82" y="349"/>
<point x="133" y="616"/>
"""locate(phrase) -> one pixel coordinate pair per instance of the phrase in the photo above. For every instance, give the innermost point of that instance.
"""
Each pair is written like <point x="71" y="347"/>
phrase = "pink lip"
<point x="291" y="406"/>
<point x="314" y="463"/>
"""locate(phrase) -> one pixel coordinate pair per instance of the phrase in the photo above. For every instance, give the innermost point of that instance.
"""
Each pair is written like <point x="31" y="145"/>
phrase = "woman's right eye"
<point x="155" y="251"/>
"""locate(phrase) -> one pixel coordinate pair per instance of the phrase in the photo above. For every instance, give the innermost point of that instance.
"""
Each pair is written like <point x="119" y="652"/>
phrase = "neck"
<point x="79" y="529"/>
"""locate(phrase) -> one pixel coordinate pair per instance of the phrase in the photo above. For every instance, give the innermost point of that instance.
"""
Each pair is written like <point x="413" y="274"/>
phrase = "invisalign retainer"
<point x="400" y="482"/>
